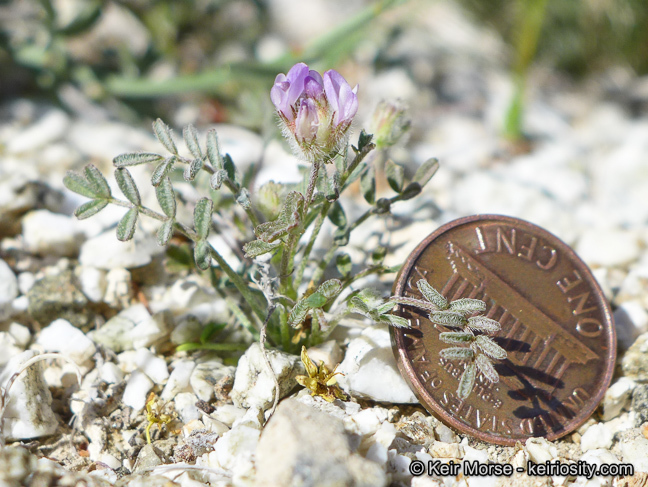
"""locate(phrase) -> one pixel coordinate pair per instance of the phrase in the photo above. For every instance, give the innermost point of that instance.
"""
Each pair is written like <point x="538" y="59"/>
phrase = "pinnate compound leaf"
<point x="432" y="295"/>
<point x="456" y="353"/>
<point x="337" y="216"/>
<point x="490" y="348"/>
<point x="203" y="217"/>
<point x="163" y="134"/>
<point x="190" y="135"/>
<point x="330" y="288"/>
<point x="216" y="180"/>
<point x="86" y="210"/>
<point x="161" y="171"/>
<point x="483" y="324"/>
<point x="456" y="338"/>
<point x="127" y="185"/>
<point x="77" y="183"/>
<point x="425" y="172"/>
<point x="97" y="181"/>
<point x="166" y="197"/>
<point x="126" y="226"/>
<point x="258" y="247"/>
<point x="467" y="306"/>
<point x="135" y="158"/>
<point x="213" y="150"/>
<point x="165" y="232"/>
<point x="202" y="255"/>
<point x="368" y="186"/>
<point x="192" y="169"/>
<point x="447" y="318"/>
<point x="467" y="381"/>
<point x="395" y="175"/>
<point x="485" y="366"/>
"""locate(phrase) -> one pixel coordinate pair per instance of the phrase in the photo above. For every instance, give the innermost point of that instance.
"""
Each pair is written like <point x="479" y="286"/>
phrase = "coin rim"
<point x="406" y="369"/>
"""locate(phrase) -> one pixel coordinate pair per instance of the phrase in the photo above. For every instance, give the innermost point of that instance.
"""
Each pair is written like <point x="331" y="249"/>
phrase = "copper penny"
<point x="557" y="330"/>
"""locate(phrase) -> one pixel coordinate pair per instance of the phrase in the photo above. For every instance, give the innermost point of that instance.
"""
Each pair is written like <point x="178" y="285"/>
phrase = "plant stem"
<point x="311" y="243"/>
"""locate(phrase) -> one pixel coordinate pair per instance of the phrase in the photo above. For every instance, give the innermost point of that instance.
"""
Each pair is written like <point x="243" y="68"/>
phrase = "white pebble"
<point x="60" y="336"/>
<point x="596" y="436"/>
<point x="21" y="333"/>
<point x="137" y="390"/>
<point x="153" y="366"/>
<point x="185" y="405"/>
<point x="93" y="283"/>
<point x="608" y="248"/>
<point x="48" y="233"/>
<point x="111" y="373"/>
<point x="25" y="281"/>
<point x="617" y="397"/>
<point x="631" y="320"/>
<point x="8" y="288"/>
<point x="178" y="379"/>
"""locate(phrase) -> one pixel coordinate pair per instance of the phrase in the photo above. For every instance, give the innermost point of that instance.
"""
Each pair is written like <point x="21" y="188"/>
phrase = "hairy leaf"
<point x="203" y="217"/>
<point x="126" y="226"/>
<point x="456" y="353"/>
<point x="357" y="305"/>
<point x="230" y="169"/>
<point x="163" y="134"/>
<point x="394" y="320"/>
<point x="79" y="184"/>
<point x="411" y="190"/>
<point x="192" y="169"/>
<point x="330" y="288"/>
<point x="467" y="306"/>
<point x="166" y="197"/>
<point x="364" y="140"/>
<point x="165" y="232"/>
<point x="337" y="216"/>
<point x="490" y="348"/>
<point x="432" y="295"/>
<point x="288" y="219"/>
<point x="135" y="158"/>
<point x="486" y="367"/>
<point x="190" y="135"/>
<point x="425" y="172"/>
<point x="258" y="247"/>
<point x="467" y="381"/>
<point x="383" y="308"/>
<point x="395" y="175"/>
<point x="368" y="185"/>
<point x="213" y="150"/>
<point x="483" y="324"/>
<point x="456" y="338"/>
<point x="217" y="179"/>
<point x="86" y="210"/>
<point x="127" y="185"/>
<point x="202" y="255"/>
<point x="97" y="181"/>
<point x="161" y="170"/>
<point x="243" y="199"/>
<point x="341" y="237"/>
<point x="315" y="300"/>
<point x="343" y="264"/>
<point x="298" y="313"/>
<point x="417" y="303"/>
<point x="447" y="318"/>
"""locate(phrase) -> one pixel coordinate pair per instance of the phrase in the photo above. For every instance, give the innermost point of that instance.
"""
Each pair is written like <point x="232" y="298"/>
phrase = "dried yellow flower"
<point x="154" y="414"/>
<point x="320" y="380"/>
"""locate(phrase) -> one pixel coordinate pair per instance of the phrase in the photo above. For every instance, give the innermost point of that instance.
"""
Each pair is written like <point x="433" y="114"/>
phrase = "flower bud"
<point x="389" y="123"/>
<point x="315" y="111"/>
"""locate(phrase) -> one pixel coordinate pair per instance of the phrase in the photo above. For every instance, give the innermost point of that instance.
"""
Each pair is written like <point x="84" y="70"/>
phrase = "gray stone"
<point x="57" y="296"/>
<point x="301" y="446"/>
<point x="16" y="464"/>
<point x="28" y="413"/>
<point x="640" y="403"/>
<point x="631" y="320"/>
<point x="635" y="360"/>
<point x="149" y="457"/>
<point x="253" y="384"/>
<point x="8" y="288"/>
<point x="206" y="375"/>
<point x="46" y="233"/>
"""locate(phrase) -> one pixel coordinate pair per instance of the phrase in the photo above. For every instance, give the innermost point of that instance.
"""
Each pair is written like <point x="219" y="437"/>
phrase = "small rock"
<point x="137" y="390"/>
<point x="597" y="457"/>
<point x="16" y="464"/>
<point x="617" y="397"/>
<point x="235" y="451"/>
<point x="228" y="414"/>
<point x="608" y="248"/>
<point x="640" y="403"/>
<point x="439" y="449"/>
<point x="8" y="347"/>
<point x="631" y="320"/>
<point x="25" y="281"/>
<point x="57" y="296"/>
<point x="148" y="458"/>
<point x="153" y="366"/>
<point x="118" y="288"/>
<point x="93" y="283"/>
<point x="52" y="126"/>
<point x="540" y="450"/>
<point x="110" y="373"/>
<point x="253" y="384"/>
<point x="149" y="332"/>
<point x="635" y="360"/>
<point x="8" y="289"/>
<point x="314" y="451"/>
<point x="370" y="369"/>
<point x="635" y="451"/>
<point x="60" y="336"/>
<point x="46" y="233"/>
<point x="328" y="353"/>
<point x="106" y="252"/>
<point x="21" y="334"/>
<point x="206" y="375"/>
<point x="28" y="412"/>
<point x="115" y="334"/>
<point x="596" y="437"/>
<point x="185" y="405"/>
<point x="178" y="379"/>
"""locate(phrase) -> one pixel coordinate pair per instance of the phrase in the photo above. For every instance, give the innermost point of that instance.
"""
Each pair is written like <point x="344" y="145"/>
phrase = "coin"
<point x="556" y="327"/>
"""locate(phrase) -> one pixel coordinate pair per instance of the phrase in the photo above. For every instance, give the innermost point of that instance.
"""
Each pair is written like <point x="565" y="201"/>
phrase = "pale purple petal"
<point x="296" y="77"/>
<point x="348" y="105"/>
<point x="307" y="121"/>
<point x="313" y="88"/>
<point x="331" y="88"/>
<point x="342" y="99"/>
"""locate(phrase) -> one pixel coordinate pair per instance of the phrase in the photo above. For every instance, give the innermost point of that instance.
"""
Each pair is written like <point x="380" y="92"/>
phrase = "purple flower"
<point x="315" y="111"/>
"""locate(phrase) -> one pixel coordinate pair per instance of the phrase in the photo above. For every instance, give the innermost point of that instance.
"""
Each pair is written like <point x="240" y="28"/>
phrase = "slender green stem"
<point x="284" y="328"/>
<point x="319" y="272"/>
<point x="242" y="317"/>
<point x="311" y="243"/>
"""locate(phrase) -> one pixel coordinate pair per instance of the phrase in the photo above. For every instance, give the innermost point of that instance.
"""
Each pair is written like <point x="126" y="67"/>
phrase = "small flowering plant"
<point x="276" y="291"/>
